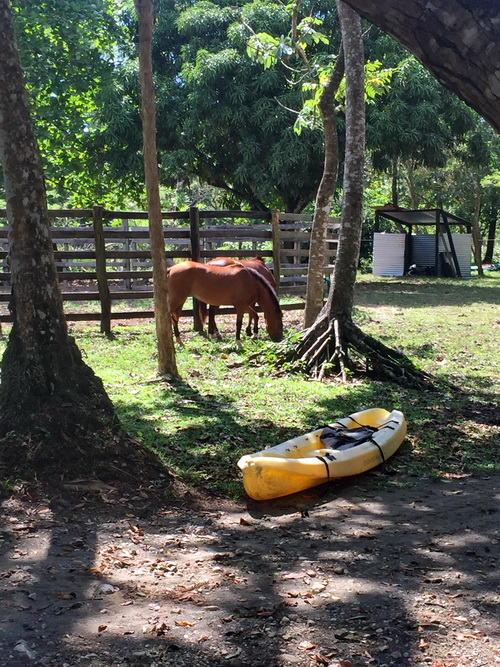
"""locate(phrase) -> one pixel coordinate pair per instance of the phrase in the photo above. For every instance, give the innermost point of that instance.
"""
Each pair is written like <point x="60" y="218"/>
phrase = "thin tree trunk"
<point x="410" y="172"/>
<point x="341" y="297"/>
<point x="165" y="343"/>
<point x="327" y="344"/>
<point x="476" y="232"/>
<point x="394" y="183"/>
<point x="490" y="242"/>
<point x="326" y="190"/>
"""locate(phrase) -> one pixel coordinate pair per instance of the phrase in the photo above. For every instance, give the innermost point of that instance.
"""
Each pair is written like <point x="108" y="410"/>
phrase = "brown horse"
<point x="234" y="285"/>
<point x="256" y="263"/>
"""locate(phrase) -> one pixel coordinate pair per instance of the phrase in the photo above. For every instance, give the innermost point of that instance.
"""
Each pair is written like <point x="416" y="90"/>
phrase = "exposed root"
<point x="333" y="346"/>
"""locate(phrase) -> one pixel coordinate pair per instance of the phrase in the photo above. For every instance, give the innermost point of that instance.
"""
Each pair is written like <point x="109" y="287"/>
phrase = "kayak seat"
<point x="341" y="438"/>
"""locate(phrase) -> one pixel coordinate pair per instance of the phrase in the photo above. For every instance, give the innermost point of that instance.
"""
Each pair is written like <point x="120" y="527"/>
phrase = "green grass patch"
<point x="226" y="406"/>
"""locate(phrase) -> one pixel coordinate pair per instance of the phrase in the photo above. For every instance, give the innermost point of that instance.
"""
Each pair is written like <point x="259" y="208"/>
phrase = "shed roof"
<point x="427" y="216"/>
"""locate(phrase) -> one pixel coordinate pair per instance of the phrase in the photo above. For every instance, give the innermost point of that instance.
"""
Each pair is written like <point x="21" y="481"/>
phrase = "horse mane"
<point x="271" y="291"/>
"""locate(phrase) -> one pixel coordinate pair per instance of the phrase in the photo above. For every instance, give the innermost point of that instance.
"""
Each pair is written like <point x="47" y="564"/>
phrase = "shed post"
<point x="452" y="247"/>
<point x="100" y="266"/>
<point x="436" y="251"/>
<point x="194" y="222"/>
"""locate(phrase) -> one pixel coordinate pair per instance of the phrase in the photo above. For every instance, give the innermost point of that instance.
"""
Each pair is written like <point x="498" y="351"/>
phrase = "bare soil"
<point x="353" y="573"/>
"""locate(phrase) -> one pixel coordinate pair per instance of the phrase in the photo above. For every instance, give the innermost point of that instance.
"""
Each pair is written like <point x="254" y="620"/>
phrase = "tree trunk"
<point x="456" y="41"/>
<point x="410" y="172"/>
<point x="341" y="297"/>
<point x="334" y="342"/>
<point x="394" y="183"/>
<point x="490" y="242"/>
<point x="165" y="342"/>
<point x="477" y="241"/>
<point x="326" y="190"/>
<point x="46" y="390"/>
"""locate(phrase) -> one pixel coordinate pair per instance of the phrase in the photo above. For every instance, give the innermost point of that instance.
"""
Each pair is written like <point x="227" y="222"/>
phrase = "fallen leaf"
<point x="184" y="623"/>
<point x="101" y="628"/>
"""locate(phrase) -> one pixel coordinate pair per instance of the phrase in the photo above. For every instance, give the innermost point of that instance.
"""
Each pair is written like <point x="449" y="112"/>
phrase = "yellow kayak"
<point x="349" y="446"/>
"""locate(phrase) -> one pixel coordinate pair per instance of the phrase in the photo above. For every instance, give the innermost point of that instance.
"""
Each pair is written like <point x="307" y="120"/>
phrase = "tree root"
<point x="331" y="346"/>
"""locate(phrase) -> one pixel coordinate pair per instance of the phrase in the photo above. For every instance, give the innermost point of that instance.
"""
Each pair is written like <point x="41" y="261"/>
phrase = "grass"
<point x="225" y="406"/>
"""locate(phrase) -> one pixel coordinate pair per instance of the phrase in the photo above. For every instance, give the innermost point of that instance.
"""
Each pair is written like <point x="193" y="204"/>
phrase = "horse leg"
<point x="248" y="330"/>
<point x="212" y="327"/>
<point x="253" y="316"/>
<point x="175" y="313"/>
<point x="175" y="325"/>
<point x="239" y="324"/>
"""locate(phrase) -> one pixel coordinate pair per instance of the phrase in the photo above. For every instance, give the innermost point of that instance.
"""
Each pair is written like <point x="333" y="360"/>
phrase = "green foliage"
<point x="416" y="119"/>
<point x="233" y="127"/>
<point x="67" y="50"/>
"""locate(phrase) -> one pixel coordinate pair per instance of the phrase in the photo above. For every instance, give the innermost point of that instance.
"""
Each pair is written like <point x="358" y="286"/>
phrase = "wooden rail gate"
<point x="105" y="256"/>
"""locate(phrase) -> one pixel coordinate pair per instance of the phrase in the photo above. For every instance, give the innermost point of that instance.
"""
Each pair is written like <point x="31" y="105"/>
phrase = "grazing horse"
<point x="234" y="285"/>
<point x="256" y="263"/>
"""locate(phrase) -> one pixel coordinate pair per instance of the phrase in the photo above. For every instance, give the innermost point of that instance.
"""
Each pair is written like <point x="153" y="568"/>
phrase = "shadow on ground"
<point x="345" y="572"/>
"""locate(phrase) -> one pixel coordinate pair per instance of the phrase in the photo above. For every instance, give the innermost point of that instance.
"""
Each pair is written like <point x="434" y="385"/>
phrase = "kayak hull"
<point x="304" y="461"/>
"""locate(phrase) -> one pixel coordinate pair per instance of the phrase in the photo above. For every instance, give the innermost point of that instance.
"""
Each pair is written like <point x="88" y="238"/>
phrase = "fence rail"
<point x="121" y="255"/>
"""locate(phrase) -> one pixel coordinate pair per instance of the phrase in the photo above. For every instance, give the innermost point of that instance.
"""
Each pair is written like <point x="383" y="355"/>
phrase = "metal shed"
<point x="441" y="253"/>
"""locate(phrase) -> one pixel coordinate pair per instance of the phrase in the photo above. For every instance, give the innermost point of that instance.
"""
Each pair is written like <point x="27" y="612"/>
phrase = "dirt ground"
<point x="347" y="574"/>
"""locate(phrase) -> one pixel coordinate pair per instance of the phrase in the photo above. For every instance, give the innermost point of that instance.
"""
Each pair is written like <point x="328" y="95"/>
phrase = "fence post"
<point x="194" y="222"/>
<point x="127" y="283"/>
<point x="100" y="266"/>
<point x="275" y="231"/>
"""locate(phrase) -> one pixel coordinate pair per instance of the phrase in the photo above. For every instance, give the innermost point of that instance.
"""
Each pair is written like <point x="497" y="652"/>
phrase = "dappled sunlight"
<point x="347" y="571"/>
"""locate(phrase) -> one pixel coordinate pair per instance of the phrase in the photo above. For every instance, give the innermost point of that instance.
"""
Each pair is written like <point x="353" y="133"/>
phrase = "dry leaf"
<point x="306" y="646"/>
<point x="184" y="623"/>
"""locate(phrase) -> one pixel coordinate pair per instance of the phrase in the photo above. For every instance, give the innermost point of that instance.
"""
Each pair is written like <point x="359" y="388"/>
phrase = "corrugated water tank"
<point x="388" y="254"/>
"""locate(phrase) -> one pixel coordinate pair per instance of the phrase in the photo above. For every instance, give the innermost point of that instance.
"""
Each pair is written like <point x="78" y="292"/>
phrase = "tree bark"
<point x="456" y="40"/>
<point x="45" y="386"/>
<point x="341" y="297"/>
<point x="326" y="190"/>
<point x="334" y="343"/>
<point x="165" y="342"/>
<point x="490" y="241"/>
<point x="477" y="241"/>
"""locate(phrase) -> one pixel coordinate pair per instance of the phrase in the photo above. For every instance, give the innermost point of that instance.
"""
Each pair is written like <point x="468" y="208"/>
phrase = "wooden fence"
<point x="103" y="256"/>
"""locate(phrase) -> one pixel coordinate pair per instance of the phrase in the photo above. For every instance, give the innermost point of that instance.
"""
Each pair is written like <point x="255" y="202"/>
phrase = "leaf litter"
<point x="364" y="577"/>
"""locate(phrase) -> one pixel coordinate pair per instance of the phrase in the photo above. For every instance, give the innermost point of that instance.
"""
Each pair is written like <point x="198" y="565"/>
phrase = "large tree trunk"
<point x="456" y="40"/>
<point x="46" y="392"/>
<point x="326" y="190"/>
<point x="165" y="342"/>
